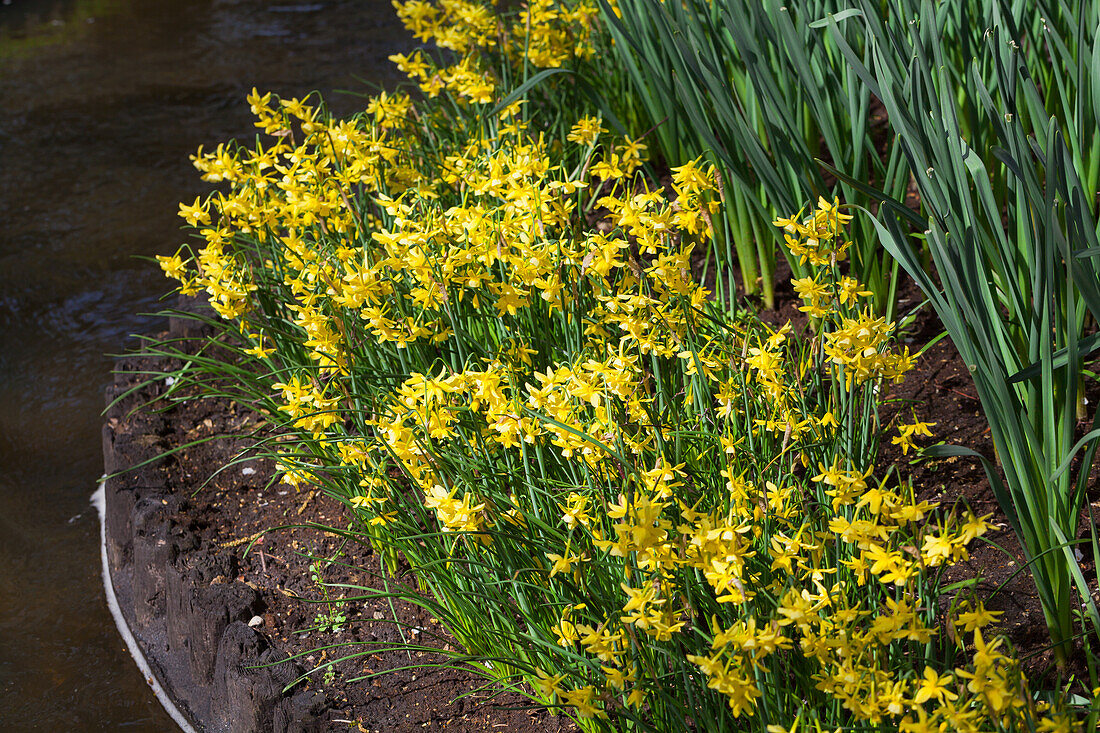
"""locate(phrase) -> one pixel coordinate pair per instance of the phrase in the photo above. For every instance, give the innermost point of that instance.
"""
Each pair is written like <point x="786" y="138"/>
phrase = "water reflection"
<point x="102" y="101"/>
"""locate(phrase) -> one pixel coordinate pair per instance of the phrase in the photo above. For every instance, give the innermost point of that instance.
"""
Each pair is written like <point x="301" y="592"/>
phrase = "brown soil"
<point x="274" y="534"/>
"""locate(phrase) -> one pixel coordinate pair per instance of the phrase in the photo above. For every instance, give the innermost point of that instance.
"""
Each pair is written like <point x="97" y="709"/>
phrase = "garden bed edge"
<point x="183" y="604"/>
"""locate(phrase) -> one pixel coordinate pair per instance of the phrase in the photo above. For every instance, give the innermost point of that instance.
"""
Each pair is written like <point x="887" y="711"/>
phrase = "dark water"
<point x="101" y="101"/>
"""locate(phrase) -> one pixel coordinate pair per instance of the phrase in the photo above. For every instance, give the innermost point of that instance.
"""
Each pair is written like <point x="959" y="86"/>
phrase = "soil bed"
<point x="269" y="538"/>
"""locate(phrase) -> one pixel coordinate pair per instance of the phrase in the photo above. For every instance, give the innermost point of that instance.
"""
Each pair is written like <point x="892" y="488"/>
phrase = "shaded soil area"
<point x="272" y="538"/>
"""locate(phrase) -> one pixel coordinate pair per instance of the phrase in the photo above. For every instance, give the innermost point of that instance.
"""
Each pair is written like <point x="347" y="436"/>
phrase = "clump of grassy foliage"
<point x="473" y="319"/>
<point x="760" y="89"/>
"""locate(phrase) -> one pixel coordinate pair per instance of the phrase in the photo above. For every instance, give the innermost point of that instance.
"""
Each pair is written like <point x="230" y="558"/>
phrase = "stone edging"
<point x="181" y="601"/>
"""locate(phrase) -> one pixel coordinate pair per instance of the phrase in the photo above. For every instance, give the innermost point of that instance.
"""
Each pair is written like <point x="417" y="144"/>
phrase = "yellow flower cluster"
<point x="426" y="302"/>
<point x="857" y="347"/>
<point x="906" y="434"/>
<point x="820" y="238"/>
<point x="859" y="343"/>
<point x="545" y="33"/>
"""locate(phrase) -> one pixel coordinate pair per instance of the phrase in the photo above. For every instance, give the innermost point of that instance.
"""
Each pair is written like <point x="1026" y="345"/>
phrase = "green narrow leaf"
<point x="836" y="18"/>
<point x="522" y="89"/>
